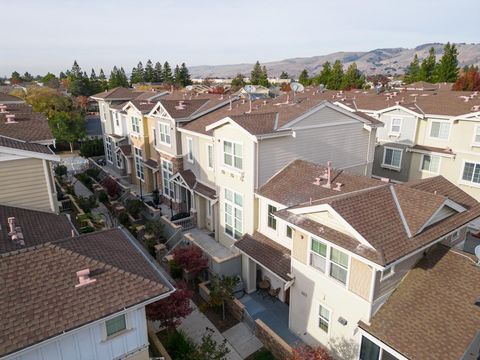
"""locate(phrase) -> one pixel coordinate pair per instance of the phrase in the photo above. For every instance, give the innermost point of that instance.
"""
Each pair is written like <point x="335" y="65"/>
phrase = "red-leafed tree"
<point x="469" y="81"/>
<point x="171" y="310"/>
<point x="305" y="352"/>
<point x="190" y="258"/>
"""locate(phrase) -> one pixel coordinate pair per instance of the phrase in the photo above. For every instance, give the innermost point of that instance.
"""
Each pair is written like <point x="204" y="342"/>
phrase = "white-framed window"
<point x="387" y="273"/>
<point x="392" y="157"/>
<point x="190" y="149"/>
<point x="209" y="208"/>
<point x="233" y="154"/>
<point x="154" y="135"/>
<point x="318" y="255"/>
<point x="323" y="318"/>
<point x="476" y="136"/>
<point x="396" y="125"/>
<point x="371" y="351"/>
<point x="136" y="124"/>
<point x="115" y="117"/>
<point x="119" y="158"/>
<point x="439" y="129"/>
<point x="329" y="260"/>
<point x="165" y="134"/>
<point x="116" y="325"/>
<point x="272" y="221"/>
<point x="108" y="148"/>
<point x="289" y="232"/>
<point x="430" y="163"/>
<point x="338" y="265"/>
<point x="139" y="164"/>
<point x="233" y="214"/>
<point x="471" y="172"/>
<point x="210" y="156"/>
<point x="167" y="173"/>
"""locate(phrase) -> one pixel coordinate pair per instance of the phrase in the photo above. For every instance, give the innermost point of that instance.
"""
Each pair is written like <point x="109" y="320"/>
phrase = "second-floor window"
<point x="338" y="265"/>
<point x="476" y="138"/>
<point x="289" y="232"/>
<point x="233" y="214"/>
<point x="165" y="137"/>
<point x="190" y="150"/>
<point x="318" y="255"/>
<point x="272" y="222"/>
<point x="210" y="156"/>
<point x="471" y="172"/>
<point x="233" y="154"/>
<point x="116" y="325"/>
<point x="396" y="126"/>
<point x="139" y="163"/>
<point x="108" y="147"/>
<point x="440" y="130"/>
<point x="392" y="158"/>
<point x="329" y="261"/>
<point x="136" y="124"/>
<point x="430" y="163"/>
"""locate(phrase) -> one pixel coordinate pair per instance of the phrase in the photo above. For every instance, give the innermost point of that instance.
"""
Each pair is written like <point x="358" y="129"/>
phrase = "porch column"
<point x="249" y="274"/>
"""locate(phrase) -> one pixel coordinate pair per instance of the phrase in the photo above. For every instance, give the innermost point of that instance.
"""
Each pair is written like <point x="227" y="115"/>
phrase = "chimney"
<point x="11" y="224"/>
<point x="15" y="232"/>
<point x="84" y="278"/>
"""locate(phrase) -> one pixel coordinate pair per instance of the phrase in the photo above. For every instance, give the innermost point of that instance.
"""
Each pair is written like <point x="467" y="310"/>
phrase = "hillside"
<point x="379" y="61"/>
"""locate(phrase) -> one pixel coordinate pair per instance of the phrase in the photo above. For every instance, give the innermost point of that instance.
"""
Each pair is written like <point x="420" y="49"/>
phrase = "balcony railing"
<point x="185" y="223"/>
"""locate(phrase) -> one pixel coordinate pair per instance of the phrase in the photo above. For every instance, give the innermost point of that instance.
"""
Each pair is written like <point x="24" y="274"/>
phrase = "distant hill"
<point x="379" y="61"/>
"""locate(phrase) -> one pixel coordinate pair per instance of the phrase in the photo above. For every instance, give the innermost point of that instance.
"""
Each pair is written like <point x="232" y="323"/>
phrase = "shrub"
<point x="176" y="271"/>
<point x="86" y="229"/>
<point x="123" y="218"/>
<point x="155" y="228"/>
<point x="134" y="207"/>
<point x="87" y="204"/>
<point x="179" y="346"/>
<point x="190" y="258"/>
<point x="91" y="148"/>
<point x="60" y="170"/>
<point x="111" y="186"/>
<point x="305" y="352"/>
<point x="93" y="172"/>
<point x="150" y="244"/>
<point x="85" y="180"/>
<point x="103" y="197"/>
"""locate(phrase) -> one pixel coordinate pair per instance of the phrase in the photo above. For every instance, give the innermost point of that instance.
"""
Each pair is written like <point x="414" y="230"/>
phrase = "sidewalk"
<point x="246" y="343"/>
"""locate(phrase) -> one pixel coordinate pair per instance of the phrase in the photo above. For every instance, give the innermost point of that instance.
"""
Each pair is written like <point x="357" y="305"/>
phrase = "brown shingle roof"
<point x="288" y="188"/>
<point x="205" y="191"/>
<point x="21" y="145"/>
<point x="432" y="314"/>
<point x="125" y="149"/>
<point x="29" y="126"/>
<point x="267" y="252"/>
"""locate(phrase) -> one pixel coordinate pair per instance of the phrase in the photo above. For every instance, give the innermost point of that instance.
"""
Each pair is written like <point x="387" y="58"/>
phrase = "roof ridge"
<point x="358" y="192"/>
<point x="400" y="211"/>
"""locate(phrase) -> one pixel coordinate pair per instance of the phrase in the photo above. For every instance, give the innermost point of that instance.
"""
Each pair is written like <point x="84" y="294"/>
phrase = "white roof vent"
<point x="10" y="119"/>
<point x="84" y="278"/>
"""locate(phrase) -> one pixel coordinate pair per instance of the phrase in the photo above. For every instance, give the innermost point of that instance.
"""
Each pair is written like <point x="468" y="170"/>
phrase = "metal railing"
<point x="65" y="205"/>
<point x="185" y="223"/>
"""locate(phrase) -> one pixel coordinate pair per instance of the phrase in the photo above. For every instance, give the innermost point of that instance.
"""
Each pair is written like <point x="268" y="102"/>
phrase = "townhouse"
<point x="338" y="247"/>
<point x="26" y="177"/>
<point x="428" y="131"/>
<point x="56" y="285"/>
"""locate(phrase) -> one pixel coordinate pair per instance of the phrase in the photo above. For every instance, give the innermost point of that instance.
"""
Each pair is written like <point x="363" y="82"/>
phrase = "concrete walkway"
<point x="240" y="340"/>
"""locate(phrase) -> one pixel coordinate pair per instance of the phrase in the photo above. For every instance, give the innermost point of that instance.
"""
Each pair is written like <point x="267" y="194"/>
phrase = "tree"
<point x="102" y="81"/>
<point x="117" y="78"/>
<point x="138" y="74"/>
<point x="77" y="81"/>
<point x="238" y="82"/>
<point x="27" y="77"/>
<point x="336" y="77"/>
<point x="427" y="68"/>
<point x="353" y="79"/>
<point x="15" y="78"/>
<point x="447" y="68"/>
<point x="170" y="310"/>
<point x="167" y="73"/>
<point x="91" y="148"/>
<point x="303" y="78"/>
<point x="49" y="101"/>
<point x="149" y="71"/>
<point x="185" y="79"/>
<point x="469" y="81"/>
<point x="158" y="73"/>
<point x="284" y="75"/>
<point x="325" y="74"/>
<point x="305" y="352"/>
<point x="94" y="83"/>
<point x="50" y="80"/>
<point x="413" y="71"/>
<point x="209" y="349"/>
<point x="221" y="290"/>
<point x="263" y="80"/>
<point x="190" y="258"/>
<point x="176" y="76"/>
<point x="68" y="127"/>
<point x="256" y="74"/>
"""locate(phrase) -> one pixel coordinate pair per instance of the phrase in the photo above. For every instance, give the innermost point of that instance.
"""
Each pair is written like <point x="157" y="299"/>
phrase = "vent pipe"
<point x="84" y="278"/>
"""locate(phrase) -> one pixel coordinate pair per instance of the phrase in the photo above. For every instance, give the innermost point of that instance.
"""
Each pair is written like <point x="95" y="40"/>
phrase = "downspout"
<point x="368" y="150"/>
<point x="257" y="146"/>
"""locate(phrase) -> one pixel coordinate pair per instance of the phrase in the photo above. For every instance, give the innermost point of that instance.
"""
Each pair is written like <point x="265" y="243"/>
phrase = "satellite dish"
<point x="249" y="89"/>
<point x="296" y="87"/>
<point x="189" y="87"/>
<point x="477" y="254"/>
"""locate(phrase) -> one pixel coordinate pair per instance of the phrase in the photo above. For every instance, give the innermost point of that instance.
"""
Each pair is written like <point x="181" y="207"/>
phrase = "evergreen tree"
<point x="102" y="81"/>
<point x="185" y="75"/>
<point x="304" y="79"/>
<point x="325" y="74"/>
<point x="138" y="74"/>
<point x="78" y="82"/>
<point x="447" y="68"/>
<point x="427" y="68"/>
<point x="263" y="80"/>
<point x="117" y="78"/>
<point x="238" y="82"/>
<point x="176" y="76"/>
<point x="158" y="73"/>
<point x="122" y="78"/>
<point x="27" y="77"/>
<point x="284" y="75"/>
<point x="167" y="73"/>
<point x="149" y="71"/>
<point x="15" y="78"/>
<point x="336" y="79"/>
<point x="256" y="74"/>
<point x="94" y="83"/>
<point x="413" y="71"/>
<point x="62" y="75"/>
<point x="353" y="79"/>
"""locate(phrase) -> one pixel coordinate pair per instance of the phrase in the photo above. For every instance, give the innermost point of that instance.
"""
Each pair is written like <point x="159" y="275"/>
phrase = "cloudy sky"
<point x="48" y="35"/>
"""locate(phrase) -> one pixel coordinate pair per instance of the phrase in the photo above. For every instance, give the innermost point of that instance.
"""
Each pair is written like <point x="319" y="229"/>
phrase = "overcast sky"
<point x="48" y="35"/>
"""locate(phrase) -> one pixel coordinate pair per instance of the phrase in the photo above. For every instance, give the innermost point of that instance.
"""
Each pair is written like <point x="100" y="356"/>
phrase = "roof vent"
<point x="327" y="175"/>
<point x="84" y="278"/>
<point x="475" y="108"/>
<point x="15" y="232"/>
<point x="385" y="180"/>
<point x="338" y="187"/>
<point x="10" y="119"/>
<point x="180" y="106"/>
<point x="3" y="108"/>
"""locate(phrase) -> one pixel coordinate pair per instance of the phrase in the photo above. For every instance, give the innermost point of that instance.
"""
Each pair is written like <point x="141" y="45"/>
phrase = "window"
<point x="233" y="214"/>
<point x="190" y="149"/>
<point x="471" y="172"/>
<point x="323" y="318"/>
<point x="210" y="156"/>
<point x="139" y="164"/>
<point x="167" y="173"/>
<point x="119" y="161"/>
<point x="396" y="125"/>
<point x="108" y="147"/>
<point x="476" y="138"/>
<point x="165" y="134"/>
<point x="116" y="325"/>
<point x="115" y="116"/>
<point x="430" y="163"/>
<point x="318" y="255"/>
<point x="392" y="157"/>
<point x="338" y="265"/>
<point x="136" y="124"/>
<point x="272" y="222"/>
<point x="209" y="208"/>
<point x="369" y="350"/>
<point x="440" y="130"/>
<point x="387" y="273"/>
<point x="289" y="232"/>
<point x="154" y="135"/>
<point x="233" y="154"/>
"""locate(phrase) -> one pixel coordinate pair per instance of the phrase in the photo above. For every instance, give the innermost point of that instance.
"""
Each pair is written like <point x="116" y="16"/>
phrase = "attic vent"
<point x="3" y="108"/>
<point x="84" y="278"/>
<point x="15" y="232"/>
<point x="180" y="106"/>
<point x="10" y="119"/>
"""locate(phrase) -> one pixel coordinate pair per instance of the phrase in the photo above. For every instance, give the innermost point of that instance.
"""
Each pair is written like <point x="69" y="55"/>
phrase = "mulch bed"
<point x="214" y="316"/>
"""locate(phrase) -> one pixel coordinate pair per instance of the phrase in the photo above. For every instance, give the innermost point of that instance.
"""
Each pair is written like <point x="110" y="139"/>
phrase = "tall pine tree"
<point x="427" y="68"/>
<point x="138" y="74"/>
<point x="336" y="77"/>
<point x="176" y="76"/>
<point x="102" y="80"/>
<point x="185" y="75"/>
<point x="413" y="71"/>
<point x="149" y="71"/>
<point x="304" y="79"/>
<point x="353" y="79"/>
<point x="167" y="73"/>
<point x="447" y="68"/>
<point x="158" y="73"/>
<point x="256" y="74"/>
<point x="325" y="74"/>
